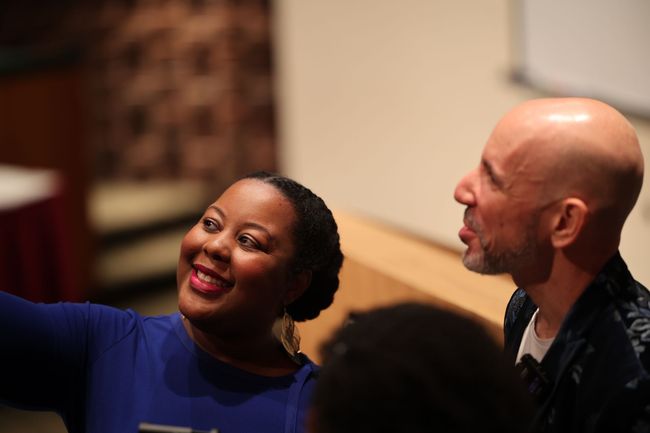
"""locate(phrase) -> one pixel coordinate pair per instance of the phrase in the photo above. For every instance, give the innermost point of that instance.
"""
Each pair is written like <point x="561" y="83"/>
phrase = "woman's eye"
<point x="248" y="242"/>
<point x="209" y="225"/>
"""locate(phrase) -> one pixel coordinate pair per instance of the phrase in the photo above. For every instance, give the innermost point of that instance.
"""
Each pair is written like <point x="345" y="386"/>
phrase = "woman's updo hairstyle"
<point x="317" y="245"/>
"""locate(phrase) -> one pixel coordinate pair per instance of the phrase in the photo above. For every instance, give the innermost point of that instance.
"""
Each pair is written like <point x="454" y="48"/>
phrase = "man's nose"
<point x="464" y="192"/>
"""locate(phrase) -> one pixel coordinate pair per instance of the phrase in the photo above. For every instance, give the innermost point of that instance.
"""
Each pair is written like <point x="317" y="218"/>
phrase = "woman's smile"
<point x="206" y="281"/>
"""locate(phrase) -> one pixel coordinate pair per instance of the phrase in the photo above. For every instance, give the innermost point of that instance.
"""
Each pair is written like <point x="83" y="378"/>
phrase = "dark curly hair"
<point x="414" y="368"/>
<point x="317" y="244"/>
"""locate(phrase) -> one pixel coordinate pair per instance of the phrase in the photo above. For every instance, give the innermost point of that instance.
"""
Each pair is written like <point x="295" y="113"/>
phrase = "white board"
<point x="596" y="48"/>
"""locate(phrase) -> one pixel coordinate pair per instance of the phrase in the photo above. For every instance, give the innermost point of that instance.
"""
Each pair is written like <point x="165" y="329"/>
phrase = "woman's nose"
<point x="464" y="192"/>
<point x="217" y="247"/>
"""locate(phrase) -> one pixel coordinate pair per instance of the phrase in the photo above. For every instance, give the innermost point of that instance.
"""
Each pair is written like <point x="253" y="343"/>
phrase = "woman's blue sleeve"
<point x="43" y="350"/>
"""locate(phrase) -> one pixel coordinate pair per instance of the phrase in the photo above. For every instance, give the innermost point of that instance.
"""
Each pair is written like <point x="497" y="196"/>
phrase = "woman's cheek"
<point x="258" y="269"/>
<point x="191" y="243"/>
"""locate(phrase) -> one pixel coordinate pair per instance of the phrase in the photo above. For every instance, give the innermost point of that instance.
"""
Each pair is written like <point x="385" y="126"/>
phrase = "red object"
<point x="35" y="256"/>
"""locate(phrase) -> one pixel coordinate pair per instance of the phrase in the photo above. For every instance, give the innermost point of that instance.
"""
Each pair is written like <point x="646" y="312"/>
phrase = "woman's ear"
<point x="568" y="222"/>
<point x="298" y="283"/>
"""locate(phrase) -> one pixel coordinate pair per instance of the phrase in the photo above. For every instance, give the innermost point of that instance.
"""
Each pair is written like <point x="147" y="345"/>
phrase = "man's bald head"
<point x="555" y="174"/>
<point x="578" y="147"/>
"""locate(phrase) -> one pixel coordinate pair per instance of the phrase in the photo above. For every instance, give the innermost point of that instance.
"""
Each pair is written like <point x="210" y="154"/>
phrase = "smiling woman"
<point x="239" y="262"/>
<point x="235" y="264"/>
<point x="264" y="253"/>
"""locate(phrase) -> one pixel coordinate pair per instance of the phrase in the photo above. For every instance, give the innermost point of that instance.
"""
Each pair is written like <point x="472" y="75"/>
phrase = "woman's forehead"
<point x="254" y="199"/>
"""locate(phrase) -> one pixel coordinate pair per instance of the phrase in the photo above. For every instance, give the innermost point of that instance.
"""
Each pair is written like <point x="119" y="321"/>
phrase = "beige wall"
<point x="385" y="104"/>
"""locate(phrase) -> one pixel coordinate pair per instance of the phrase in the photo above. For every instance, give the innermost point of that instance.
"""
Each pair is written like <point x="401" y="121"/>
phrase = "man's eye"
<point x="487" y="175"/>
<point x="491" y="179"/>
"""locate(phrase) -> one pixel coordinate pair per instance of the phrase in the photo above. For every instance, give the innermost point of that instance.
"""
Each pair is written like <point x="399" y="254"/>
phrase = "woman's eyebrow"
<point x="218" y="210"/>
<point x="259" y="227"/>
<point x="249" y="224"/>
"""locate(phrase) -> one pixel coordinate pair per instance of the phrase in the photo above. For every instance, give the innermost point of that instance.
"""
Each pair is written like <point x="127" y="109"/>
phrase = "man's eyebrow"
<point x="490" y="172"/>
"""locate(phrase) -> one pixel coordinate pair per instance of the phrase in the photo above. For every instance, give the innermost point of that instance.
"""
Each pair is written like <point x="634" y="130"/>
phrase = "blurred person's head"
<point x="416" y="368"/>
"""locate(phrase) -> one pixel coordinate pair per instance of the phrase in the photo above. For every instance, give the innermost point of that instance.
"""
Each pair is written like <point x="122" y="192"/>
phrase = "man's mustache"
<point x="468" y="220"/>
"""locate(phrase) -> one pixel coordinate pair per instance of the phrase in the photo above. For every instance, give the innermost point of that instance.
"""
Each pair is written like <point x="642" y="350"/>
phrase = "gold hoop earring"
<point x="290" y="337"/>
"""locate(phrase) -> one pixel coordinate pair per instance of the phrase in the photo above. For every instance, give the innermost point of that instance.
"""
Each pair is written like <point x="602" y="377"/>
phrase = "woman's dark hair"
<point x="416" y="368"/>
<point x="317" y="245"/>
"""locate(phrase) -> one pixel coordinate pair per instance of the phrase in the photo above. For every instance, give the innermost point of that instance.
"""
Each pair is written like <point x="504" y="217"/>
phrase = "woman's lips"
<point x="206" y="281"/>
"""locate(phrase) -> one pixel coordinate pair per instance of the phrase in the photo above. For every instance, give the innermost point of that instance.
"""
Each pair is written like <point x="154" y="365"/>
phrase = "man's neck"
<point x="556" y="295"/>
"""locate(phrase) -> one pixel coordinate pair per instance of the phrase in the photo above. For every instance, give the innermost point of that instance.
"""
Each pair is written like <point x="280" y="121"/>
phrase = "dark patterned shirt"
<point x="597" y="367"/>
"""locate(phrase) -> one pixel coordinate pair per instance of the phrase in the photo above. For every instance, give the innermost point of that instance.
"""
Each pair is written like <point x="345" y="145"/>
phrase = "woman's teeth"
<point x="211" y="280"/>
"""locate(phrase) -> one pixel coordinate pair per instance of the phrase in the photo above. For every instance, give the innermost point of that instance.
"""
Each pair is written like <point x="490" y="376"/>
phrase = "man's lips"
<point x="207" y="281"/>
<point x="466" y="234"/>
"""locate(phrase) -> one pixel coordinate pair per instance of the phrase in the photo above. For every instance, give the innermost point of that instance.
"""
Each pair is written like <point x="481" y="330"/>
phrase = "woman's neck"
<point x="262" y="355"/>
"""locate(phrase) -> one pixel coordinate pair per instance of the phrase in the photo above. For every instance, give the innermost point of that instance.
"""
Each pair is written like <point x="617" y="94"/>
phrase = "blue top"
<point x="106" y="370"/>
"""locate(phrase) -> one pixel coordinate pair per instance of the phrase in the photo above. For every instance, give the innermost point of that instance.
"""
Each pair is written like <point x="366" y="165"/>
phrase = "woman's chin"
<point x="197" y="307"/>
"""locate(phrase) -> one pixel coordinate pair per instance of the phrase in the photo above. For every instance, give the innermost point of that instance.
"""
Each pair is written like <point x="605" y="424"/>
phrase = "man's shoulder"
<point x="617" y="334"/>
<point x="606" y="358"/>
<point x="633" y="312"/>
<point x="630" y="305"/>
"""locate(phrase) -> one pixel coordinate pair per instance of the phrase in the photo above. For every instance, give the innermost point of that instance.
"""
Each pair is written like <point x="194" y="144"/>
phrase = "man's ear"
<point x="568" y="222"/>
<point x="297" y="286"/>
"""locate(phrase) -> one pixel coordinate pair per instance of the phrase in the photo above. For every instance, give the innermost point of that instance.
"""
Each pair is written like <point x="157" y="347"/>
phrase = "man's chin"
<point x="475" y="262"/>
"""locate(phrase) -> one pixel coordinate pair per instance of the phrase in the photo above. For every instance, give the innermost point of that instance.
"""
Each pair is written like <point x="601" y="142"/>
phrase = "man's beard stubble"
<point x="506" y="261"/>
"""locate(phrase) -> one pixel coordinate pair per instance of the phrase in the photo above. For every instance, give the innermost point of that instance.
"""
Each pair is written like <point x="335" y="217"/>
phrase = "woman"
<point x="266" y="251"/>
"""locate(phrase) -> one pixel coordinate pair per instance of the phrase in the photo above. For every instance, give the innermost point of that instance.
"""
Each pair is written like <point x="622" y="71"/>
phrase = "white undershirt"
<point x="531" y="343"/>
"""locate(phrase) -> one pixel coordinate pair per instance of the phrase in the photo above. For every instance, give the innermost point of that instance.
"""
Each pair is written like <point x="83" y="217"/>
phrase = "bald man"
<point x="546" y="204"/>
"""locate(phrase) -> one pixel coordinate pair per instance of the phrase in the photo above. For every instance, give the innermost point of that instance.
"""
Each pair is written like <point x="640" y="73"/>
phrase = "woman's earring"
<point x="290" y="337"/>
